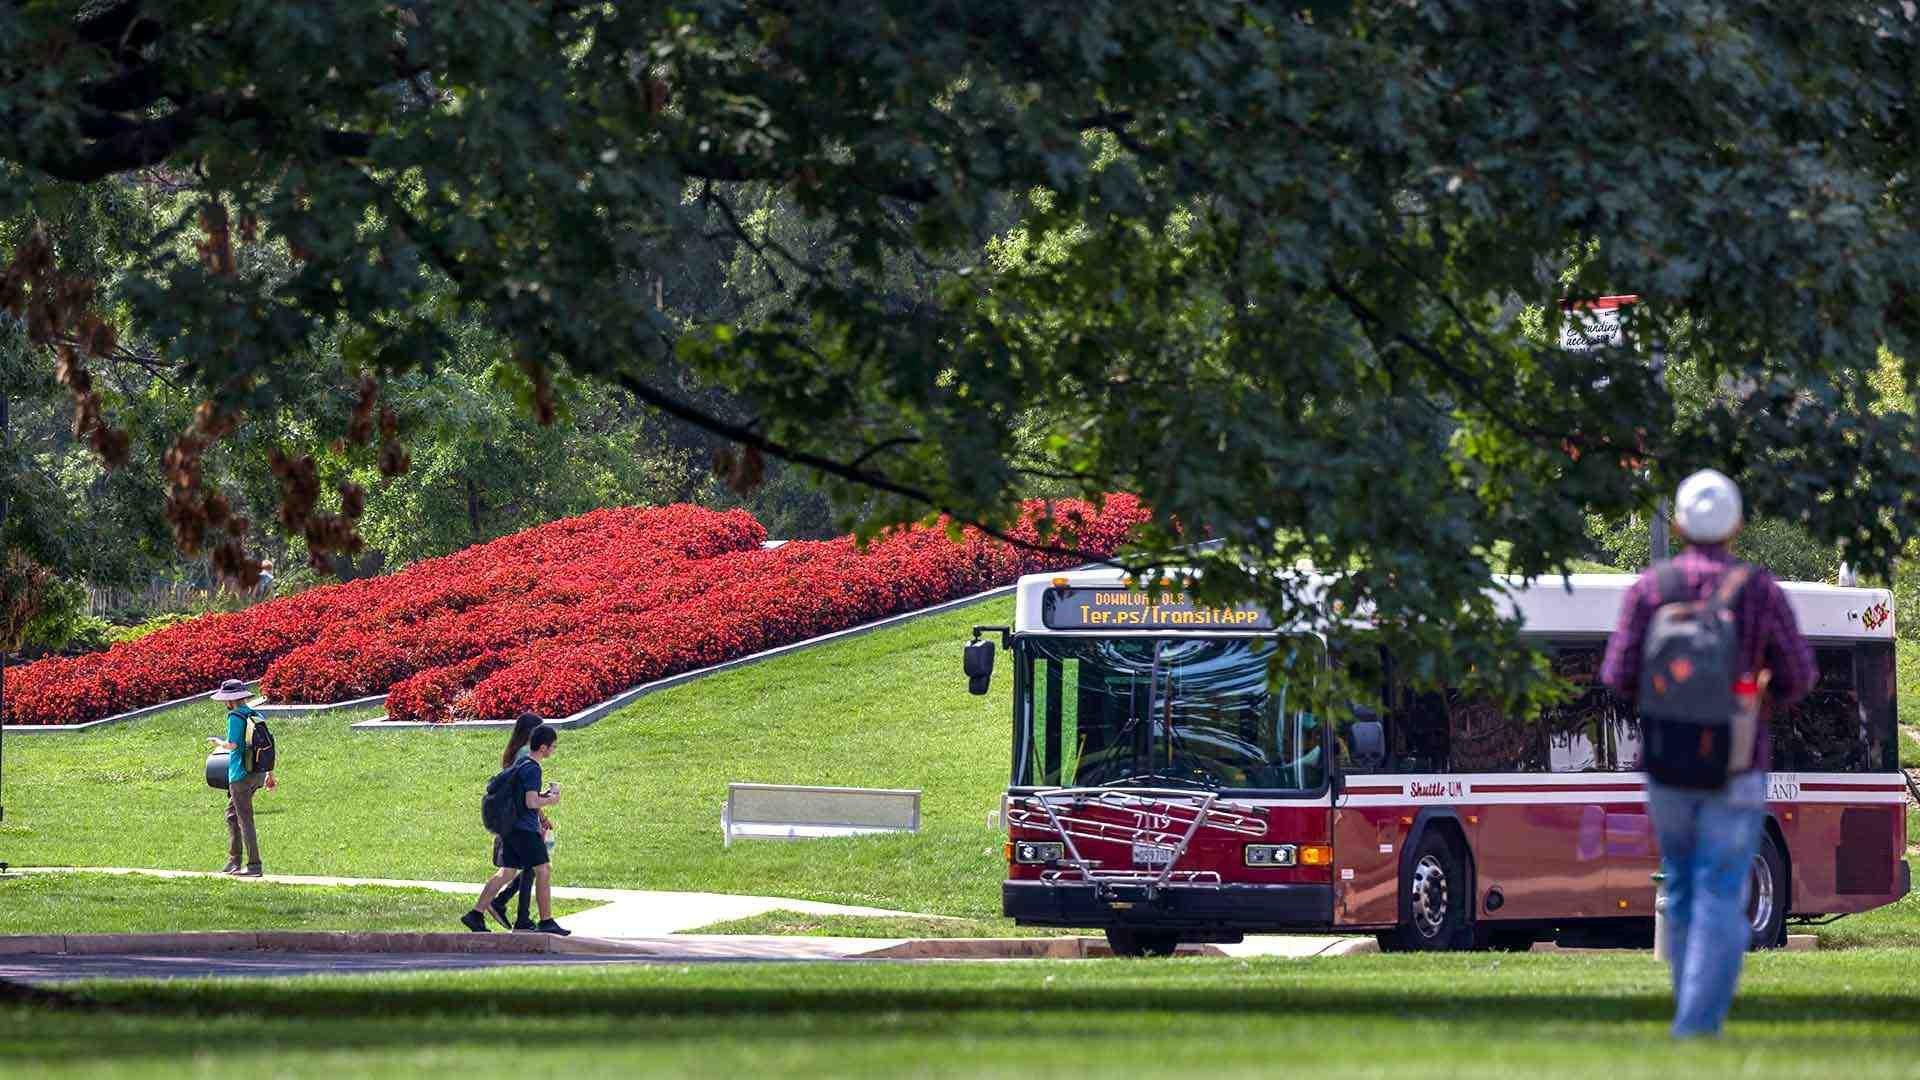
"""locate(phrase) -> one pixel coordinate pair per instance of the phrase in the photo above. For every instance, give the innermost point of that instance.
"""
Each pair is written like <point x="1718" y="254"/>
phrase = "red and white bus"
<point x="1164" y="791"/>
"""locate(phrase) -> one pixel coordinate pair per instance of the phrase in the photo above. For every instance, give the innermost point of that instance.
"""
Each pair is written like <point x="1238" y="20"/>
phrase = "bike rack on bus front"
<point x="1159" y="819"/>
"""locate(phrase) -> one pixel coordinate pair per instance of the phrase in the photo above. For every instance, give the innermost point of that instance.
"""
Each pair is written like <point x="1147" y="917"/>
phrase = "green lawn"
<point x="643" y="788"/>
<point x="1484" y="1017"/>
<point x="878" y="926"/>
<point x="126" y="903"/>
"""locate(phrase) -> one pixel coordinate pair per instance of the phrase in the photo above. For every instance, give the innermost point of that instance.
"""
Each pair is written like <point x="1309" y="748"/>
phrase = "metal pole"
<point x="1657" y="548"/>
<point x="1657" y="532"/>
<point x="1662" y="945"/>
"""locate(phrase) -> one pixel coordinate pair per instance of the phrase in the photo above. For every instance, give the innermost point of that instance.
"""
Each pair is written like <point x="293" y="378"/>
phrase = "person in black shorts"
<point x="521" y="885"/>
<point x="522" y="849"/>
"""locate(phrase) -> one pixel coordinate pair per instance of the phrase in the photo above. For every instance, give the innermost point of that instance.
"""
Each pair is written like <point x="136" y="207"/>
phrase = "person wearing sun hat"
<point x="241" y="784"/>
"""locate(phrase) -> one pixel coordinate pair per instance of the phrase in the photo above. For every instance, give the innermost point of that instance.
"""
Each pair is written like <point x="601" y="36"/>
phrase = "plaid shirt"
<point x="1769" y="636"/>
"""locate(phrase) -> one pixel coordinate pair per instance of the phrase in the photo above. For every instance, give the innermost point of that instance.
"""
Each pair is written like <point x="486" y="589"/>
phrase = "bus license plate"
<point x="1152" y="855"/>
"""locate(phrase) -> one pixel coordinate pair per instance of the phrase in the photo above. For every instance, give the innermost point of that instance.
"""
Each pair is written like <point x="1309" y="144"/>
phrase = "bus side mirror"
<point x="1369" y="740"/>
<point x="979" y="665"/>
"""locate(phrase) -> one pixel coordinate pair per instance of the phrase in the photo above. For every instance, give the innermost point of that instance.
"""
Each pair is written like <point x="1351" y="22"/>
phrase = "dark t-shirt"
<point x="525" y="780"/>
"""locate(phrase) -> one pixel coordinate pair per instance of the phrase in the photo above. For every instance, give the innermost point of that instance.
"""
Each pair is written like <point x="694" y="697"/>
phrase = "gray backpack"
<point x="1698" y="730"/>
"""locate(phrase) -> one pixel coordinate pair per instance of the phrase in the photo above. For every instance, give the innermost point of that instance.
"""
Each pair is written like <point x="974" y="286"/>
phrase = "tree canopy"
<point x="1261" y="263"/>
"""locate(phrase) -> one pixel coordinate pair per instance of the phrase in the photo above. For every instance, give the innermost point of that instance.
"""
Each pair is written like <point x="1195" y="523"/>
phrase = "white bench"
<point x="785" y="812"/>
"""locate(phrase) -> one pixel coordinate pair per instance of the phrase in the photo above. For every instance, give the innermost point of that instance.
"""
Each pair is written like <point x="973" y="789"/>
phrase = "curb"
<point x="307" y="941"/>
<point x="116" y="718"/>
<point x="1067" y="948"/>
<point x="593" y="713"/>
<point x="1795" y="943"/>
<point x="269" y="710"/>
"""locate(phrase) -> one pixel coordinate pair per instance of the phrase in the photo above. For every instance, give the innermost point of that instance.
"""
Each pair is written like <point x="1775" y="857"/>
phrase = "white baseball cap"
<point x="1707" y="508"/>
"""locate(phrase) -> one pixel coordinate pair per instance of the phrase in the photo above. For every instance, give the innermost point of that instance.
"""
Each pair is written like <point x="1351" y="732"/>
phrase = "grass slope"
<point x="643" y="788"/>
<point x="1485" y="1017"/>
<point x="126" y="903"/>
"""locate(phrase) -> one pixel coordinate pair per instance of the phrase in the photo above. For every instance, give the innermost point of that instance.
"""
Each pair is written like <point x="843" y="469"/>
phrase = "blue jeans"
<point x="1707" y="843"/>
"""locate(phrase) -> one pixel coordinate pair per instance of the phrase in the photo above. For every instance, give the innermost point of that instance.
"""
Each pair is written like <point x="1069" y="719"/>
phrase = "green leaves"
<point x="1265" y="264"/>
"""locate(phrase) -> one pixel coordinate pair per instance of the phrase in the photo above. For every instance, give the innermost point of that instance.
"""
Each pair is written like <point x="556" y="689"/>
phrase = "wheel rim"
<point x="1760" y="907"/>
<point x="1430" y="897"/>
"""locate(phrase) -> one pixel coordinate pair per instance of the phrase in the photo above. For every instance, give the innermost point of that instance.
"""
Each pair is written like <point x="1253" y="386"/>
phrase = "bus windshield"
<point x="1161" y="712"/>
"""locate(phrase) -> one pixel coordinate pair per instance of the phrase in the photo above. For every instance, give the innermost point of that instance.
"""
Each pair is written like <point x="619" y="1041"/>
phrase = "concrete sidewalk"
<point x="633" y="923"/>
<point x="625" y="913"/>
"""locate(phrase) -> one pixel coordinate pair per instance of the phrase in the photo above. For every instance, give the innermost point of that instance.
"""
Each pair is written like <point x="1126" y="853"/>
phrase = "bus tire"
<point x="1434" y="896"/>
<point x="1767" y="897"/>
<point x="1126" y="941"/>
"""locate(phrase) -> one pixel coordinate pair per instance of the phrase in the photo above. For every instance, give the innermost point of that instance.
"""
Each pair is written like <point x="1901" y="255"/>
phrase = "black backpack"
<point x="256" y="747"/>
<point x="498" y="807"/>
<point x="1699" y="732"/>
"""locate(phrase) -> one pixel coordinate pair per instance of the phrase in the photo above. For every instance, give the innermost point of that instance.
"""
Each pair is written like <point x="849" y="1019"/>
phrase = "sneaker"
<point x="548" y="926"/>
<point x="524" y="926"/>
<point x="499" y="907"/>
<point x="232" y="868"/>
<point x="251" y="871"/>
<point x="475" y="922"/>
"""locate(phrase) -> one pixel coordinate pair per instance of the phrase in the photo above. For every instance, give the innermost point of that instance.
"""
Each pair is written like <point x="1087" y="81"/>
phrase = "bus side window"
<point x="1833" y="729"/>
<point x="1594" y="731"/>
<point x="1874" y="671"/>
<point x="1417" y="736"/>
<point x="1486" y="738"/>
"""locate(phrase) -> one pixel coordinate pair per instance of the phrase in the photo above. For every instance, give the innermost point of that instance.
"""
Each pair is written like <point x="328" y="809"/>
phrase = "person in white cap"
<point x="1708" y="836"/>
<point x="241" y="784"/>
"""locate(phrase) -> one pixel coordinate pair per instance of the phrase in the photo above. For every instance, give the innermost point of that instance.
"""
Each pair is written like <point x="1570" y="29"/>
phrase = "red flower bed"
<point x="551" y="619"/>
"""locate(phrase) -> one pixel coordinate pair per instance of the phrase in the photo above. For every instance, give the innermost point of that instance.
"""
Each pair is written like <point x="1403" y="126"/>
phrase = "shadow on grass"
<point x="292" y="1000"/>
<point x="292" y="1019"/>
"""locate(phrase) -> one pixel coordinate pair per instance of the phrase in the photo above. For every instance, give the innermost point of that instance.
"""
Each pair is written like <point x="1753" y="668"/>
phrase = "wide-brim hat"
<point x="232" y="690"/>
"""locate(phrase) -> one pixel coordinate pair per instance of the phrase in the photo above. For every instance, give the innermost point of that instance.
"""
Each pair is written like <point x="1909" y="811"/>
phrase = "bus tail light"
<point x="1316" y="854"/>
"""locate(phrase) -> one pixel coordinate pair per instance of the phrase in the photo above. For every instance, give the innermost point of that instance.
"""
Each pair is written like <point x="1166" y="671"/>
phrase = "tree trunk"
<point x="6" y="445"/>
<point x="473" y="507"/>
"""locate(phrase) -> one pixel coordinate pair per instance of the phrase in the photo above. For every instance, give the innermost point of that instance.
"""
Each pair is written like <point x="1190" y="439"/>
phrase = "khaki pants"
<point x="240" y="822"/>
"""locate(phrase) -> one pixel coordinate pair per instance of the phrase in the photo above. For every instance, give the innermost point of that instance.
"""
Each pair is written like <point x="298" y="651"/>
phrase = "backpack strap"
<point x="1670" y="583"/>
<point x="1731" y="585"/>
<point x="245" y="749"/>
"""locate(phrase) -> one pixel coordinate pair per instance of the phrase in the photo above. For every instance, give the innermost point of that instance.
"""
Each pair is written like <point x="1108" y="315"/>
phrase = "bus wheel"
<point x="1767" y="895"/>
<point x="1435" y="897"/>
<point x="1129" y="942"/>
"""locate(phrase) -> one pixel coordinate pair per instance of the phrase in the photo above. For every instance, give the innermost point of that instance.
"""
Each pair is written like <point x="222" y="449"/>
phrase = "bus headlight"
<point x="1270" y="855"/>
<point x="1032" y="853"/>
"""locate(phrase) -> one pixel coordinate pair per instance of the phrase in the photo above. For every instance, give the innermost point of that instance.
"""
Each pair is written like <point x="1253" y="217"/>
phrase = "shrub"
<point x="552" y="618"/>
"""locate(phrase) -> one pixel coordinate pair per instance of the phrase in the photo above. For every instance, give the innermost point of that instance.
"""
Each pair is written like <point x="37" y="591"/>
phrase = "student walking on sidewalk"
<point x="523" y="850"/>
<point x="1702" y="695"/>
<point x="241" y="783"/>
<point x="522" y="885"/>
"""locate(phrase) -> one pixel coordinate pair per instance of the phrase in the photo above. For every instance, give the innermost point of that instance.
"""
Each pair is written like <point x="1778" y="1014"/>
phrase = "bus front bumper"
<point x="1247" y="908"/>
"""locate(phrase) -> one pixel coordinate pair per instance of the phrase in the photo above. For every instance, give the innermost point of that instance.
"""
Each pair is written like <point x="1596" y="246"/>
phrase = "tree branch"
<point x="1461" y="380"/>
<point x="132" y="146"/>
<point x="851" y="472"/>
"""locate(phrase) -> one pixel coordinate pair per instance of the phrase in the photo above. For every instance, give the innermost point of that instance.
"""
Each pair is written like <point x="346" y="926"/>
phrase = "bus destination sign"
<point x="1136" y="609"/>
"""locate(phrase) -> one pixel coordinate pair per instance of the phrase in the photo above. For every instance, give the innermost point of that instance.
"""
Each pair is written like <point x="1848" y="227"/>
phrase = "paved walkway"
<point x="664" y="919"/>
<point x="625" y="913"/>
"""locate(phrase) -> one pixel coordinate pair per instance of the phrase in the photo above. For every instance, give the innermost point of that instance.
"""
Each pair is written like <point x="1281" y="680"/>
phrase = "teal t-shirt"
<point x="237" y="735"/>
